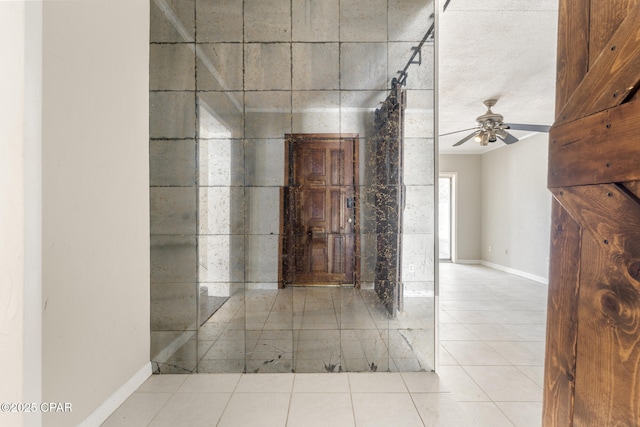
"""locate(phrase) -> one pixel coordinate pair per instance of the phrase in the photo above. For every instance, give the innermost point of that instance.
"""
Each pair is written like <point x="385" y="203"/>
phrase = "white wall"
<point x="503" y="203"/>
<point x="468" y="203"/>
<point x="95" y="201"/>
<point x="516" y="206"/>
<point x="12" y="242"/>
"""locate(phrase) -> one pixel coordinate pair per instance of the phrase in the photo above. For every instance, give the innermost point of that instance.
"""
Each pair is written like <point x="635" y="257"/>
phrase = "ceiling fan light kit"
<point x="490" y="126"/>
<point x="483" y="138"/>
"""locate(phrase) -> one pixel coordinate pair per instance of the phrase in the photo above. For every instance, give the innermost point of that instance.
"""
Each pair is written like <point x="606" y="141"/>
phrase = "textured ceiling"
<point x="503" y="49"/>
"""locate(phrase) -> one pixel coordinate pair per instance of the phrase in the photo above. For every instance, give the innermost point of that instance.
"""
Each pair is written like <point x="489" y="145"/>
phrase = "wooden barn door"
<point x="592" y="367"/>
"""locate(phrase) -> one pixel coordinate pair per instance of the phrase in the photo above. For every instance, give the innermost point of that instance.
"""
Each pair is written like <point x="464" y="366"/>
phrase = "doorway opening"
<point x="320" y="206"/>
<point x="446" y="217"/>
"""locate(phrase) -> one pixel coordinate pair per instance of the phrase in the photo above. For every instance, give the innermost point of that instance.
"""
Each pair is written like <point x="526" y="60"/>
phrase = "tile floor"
<point x="492" y="330"/>
<point x="310" y="330"/>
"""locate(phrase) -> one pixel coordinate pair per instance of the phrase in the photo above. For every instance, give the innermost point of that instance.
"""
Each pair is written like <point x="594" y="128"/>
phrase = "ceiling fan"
<point x="490" y="126"/>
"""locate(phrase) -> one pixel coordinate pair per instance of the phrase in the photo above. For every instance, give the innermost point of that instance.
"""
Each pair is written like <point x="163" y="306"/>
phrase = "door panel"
<point x="612" y="78"/>
<point x="592" y="366"/>
<point x="573" y="48"/>
<point x="560" y="363"/>
<point x="319" y="244"/>
<point x="583" y="151"/>
<point x="606" y="17"/>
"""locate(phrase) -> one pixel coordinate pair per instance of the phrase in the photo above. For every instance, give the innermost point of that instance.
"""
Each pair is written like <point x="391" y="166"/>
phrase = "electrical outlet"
<point x="489" y="248"/>
<point x="412" y="269"/>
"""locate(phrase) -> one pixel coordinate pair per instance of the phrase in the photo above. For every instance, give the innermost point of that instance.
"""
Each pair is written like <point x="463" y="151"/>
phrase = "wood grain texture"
<point x="633" y="187"/>
<point x="608" y="359"/>
<point x="596" y="149"/>
<point x="594" y="176"/>
<point x="573" y="48"/>
<point x="611" y="214"/>
<point x="605" y="16"/>
<point x="614" y="75"/>
<point x="562" y="330"/>
<point x="607" y="387"/>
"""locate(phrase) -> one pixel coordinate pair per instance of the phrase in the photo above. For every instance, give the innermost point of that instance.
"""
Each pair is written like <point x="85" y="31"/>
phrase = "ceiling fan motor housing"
<point x="490" y="117"/>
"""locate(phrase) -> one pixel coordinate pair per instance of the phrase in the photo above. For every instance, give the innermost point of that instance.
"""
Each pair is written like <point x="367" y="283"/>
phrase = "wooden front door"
<point x="592" y="366"/>
<point x="320" y="210"/>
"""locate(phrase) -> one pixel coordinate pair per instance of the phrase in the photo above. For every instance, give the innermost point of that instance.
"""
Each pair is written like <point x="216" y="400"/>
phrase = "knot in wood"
<point x="634" y="270"/>
<point x="620" y="305"/>
<point x="610" y="304"/>
<point x="558" y="230"/>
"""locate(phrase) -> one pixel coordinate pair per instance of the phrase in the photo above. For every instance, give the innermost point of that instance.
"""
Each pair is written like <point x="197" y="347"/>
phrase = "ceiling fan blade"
<point x="465" y="139"/>
<point x="509" y="139"/>
<point x="456" y="131"/>
<point x="530" y="128"/>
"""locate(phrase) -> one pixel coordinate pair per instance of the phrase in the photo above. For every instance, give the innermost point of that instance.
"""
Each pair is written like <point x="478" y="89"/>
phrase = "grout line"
<point x="293" y="382"/>
<point x="416" y="408"/>
<point x="353" y="407"/>
<point x="229" y="400"/>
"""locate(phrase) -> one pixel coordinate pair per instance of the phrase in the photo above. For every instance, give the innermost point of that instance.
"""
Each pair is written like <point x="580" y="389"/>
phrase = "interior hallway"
<point x="492" y="331"/>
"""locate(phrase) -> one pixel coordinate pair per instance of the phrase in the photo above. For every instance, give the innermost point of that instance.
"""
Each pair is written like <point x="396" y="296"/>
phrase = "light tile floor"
<point x="492" y="330"/>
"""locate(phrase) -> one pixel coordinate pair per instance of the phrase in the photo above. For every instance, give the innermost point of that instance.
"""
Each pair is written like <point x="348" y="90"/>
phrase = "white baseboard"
<point x="468" y="261"/>
<point x="103" y="412"/>
<point x="520" y="273"/>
